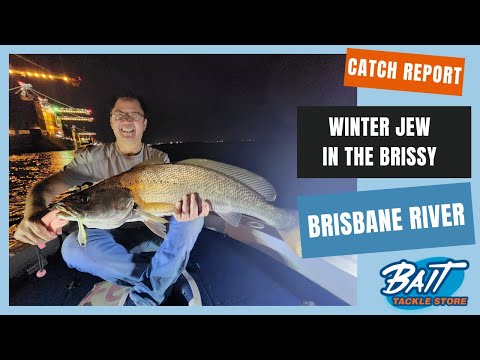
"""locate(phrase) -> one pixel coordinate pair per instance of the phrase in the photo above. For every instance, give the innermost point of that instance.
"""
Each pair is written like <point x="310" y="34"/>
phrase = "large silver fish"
<point x="148" y="192"/>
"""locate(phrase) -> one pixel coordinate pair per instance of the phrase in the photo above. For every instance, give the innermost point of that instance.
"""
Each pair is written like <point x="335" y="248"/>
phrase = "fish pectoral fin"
<point x="155" y="223"/>
<point x="231" y="218"/>
<point x="158" y="209"/>
<point x="157" y="228"/>
<point x="144" y="215"/>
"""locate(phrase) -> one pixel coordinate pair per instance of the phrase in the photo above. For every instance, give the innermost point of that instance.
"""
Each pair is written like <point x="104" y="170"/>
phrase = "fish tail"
<point x="289" y="230"/>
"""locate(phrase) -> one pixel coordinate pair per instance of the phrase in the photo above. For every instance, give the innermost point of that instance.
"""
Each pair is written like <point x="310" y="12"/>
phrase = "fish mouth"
<point x="66" y="213"/>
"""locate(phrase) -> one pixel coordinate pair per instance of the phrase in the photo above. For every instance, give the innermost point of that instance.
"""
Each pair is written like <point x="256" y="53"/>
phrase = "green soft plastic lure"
<point x="82" y="234"/>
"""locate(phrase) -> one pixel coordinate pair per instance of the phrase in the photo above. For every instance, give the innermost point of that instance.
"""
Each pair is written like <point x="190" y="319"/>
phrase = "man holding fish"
<point x="148" y="279"/>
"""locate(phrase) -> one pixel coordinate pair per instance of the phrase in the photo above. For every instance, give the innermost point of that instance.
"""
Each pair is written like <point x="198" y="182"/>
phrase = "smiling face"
<point x="127" y="121"/>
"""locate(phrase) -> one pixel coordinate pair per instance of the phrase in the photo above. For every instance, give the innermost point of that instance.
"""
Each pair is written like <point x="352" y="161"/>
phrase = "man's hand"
<point x="32" y="230"/>
<point x="190" y="208"/>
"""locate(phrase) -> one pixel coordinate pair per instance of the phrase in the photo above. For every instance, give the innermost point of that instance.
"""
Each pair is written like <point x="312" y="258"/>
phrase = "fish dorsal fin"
<point x="247" y="178"/>
<point x="151" y="161"/>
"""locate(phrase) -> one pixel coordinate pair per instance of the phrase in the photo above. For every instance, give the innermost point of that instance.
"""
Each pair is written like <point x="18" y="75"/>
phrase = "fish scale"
<point x="168" y="184"/>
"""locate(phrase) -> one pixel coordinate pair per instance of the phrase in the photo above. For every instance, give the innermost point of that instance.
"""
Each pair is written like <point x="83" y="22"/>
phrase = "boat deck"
<point x="226" y="271"/>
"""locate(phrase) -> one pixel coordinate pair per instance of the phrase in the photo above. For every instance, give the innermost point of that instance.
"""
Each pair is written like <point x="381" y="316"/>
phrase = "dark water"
<point x="24" y="171"/>
<point x="274" y="160"/>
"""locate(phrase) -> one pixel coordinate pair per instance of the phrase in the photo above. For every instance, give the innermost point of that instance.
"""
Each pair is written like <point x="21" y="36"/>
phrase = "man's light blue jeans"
<point x="150" y="277"/>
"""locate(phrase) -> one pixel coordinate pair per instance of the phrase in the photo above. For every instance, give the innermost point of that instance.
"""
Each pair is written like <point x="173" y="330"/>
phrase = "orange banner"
<point x="404" y="71"/>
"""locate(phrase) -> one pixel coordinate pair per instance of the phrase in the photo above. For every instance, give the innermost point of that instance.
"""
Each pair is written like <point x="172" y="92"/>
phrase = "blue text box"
<point x="402" y="218"/>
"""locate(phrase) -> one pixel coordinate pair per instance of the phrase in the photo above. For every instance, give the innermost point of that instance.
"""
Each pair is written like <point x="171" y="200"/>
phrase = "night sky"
<point x="195" y="97"/>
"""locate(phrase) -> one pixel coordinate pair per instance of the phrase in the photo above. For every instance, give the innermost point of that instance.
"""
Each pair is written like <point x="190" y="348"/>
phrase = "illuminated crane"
<point x="27" y="73"/>
<point x="50" y="118"/>
<point x="44" y="74"/>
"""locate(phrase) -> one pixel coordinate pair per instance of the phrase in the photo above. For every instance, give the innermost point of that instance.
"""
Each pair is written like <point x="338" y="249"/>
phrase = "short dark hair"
<point x="129" y="95"/>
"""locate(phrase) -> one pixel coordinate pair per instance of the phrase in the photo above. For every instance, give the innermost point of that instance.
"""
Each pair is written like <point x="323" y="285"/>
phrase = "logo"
<point x="428" y="282"/>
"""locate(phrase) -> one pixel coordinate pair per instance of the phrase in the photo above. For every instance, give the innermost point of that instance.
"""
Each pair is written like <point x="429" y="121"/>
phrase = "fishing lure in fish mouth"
<point x="70" y="215"/>
<point x="100" y="208"/>
<point x="82" y="234"/>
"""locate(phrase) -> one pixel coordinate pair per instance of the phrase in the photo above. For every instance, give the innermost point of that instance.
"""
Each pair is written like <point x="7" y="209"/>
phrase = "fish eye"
<point x="84" y="198"/>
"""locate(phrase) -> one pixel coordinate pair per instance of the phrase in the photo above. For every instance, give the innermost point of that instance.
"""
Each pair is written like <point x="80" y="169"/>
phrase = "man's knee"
<point x="71" y="250"/>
